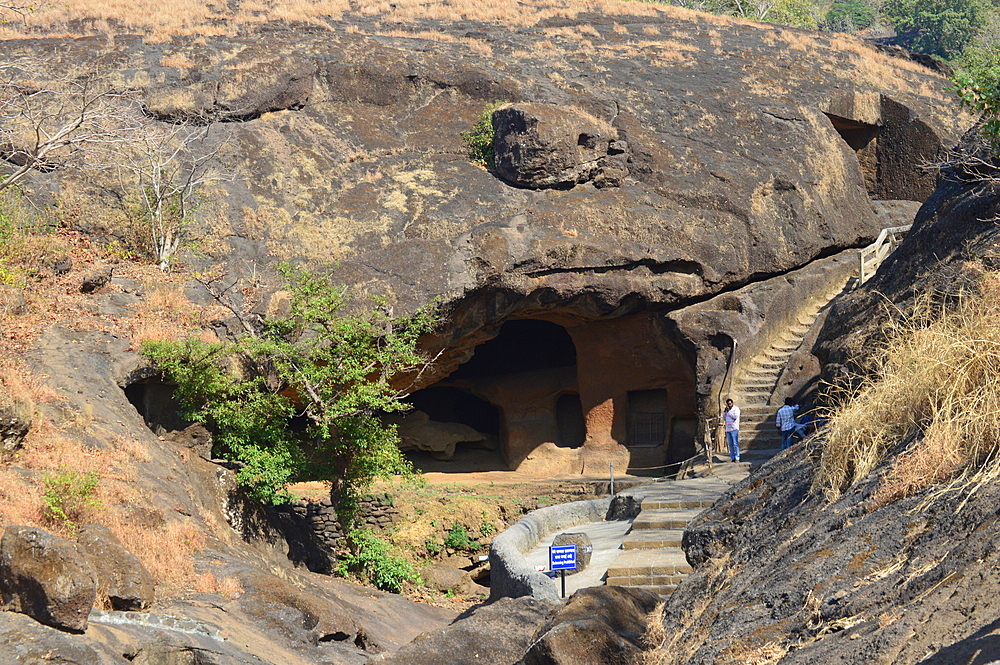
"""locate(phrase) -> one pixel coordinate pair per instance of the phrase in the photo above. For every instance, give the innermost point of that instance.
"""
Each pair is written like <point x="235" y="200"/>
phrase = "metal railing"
<point x="873" y="255"/>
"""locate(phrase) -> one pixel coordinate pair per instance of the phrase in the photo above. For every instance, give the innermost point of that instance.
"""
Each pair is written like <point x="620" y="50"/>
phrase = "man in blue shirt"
<point x="785" y="421"/>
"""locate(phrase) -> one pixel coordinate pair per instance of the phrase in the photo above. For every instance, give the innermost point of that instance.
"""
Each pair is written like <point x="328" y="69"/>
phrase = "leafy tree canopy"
<point x="299" y="396"/>
<point x="977" y="80"/>
<point x="938" y="27"/>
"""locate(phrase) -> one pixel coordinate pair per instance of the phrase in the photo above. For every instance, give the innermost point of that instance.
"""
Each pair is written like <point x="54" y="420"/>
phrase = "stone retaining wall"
<point x="510" y="575"/>
<point x="377" y="512"/>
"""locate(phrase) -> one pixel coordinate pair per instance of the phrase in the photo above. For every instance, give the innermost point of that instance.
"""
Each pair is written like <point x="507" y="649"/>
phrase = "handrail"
<point x="873" y="255"/>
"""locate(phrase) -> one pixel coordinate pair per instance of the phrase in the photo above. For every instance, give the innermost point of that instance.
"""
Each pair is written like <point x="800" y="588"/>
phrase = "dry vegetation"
<point x="935" y="390"/>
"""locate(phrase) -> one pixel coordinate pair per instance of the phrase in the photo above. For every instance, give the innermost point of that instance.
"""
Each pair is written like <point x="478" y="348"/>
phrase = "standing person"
<point x="731" y="416"/>
<point x="785" y="421"/>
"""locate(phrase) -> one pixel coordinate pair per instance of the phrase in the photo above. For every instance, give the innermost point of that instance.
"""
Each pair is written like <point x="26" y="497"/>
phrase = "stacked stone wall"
<point x="377" y="512"/>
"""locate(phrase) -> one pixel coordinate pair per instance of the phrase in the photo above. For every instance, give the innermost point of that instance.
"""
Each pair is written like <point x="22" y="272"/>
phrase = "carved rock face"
<point x="545" y="145"/>
<point x="46" y="577"/>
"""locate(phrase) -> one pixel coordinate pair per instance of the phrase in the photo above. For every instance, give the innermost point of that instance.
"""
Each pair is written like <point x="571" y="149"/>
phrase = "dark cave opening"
<point x="452" y="405"/>
<point x="521" y="345"/>
<point x="154" y="400"/>
<point x="570" y="421"/>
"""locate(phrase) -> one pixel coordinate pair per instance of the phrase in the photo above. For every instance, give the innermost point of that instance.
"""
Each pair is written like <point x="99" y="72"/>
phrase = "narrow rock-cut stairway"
<point x="651" y="556"/>
<point x="756" y="380"/>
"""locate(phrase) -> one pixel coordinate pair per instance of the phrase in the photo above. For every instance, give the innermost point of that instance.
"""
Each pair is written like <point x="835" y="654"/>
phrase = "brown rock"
<point x="194" y="437"/>
<point x="96" y="279"/>
<point x="15" y="421"/>
<point x="120" y="574"/>
<point x="545" y="145"/>
<point x="598" y="626"/>
<point x="46" y="577"/>
<point x="584" y="549"/>
<point x="442" y="577"/>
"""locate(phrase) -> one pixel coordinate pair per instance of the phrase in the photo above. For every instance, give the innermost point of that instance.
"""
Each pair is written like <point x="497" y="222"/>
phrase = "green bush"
<point x="68" y="495"/>
<point x="849" y="15"/>
<point x="480" y="137"/>
<point x="458" y="538"/>
<point x="372" y="559"/>
<point x="487" y="529"/>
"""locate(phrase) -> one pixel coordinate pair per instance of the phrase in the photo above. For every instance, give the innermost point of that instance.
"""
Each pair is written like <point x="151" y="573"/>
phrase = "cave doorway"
<point x="518" y="390"/>
<point x="648" y="425"/>
<point x="861" y="137"/>
<point x="570" y="421"/>
<point x="154" y="400"/>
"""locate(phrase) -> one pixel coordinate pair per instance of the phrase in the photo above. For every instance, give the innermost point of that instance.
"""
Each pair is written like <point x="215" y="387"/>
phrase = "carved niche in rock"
<point x="545" y="145"/>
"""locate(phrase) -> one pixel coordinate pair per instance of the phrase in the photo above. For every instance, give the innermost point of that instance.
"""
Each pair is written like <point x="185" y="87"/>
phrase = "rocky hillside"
<point x="650" y="161"/>
<point x="786" y="575"/>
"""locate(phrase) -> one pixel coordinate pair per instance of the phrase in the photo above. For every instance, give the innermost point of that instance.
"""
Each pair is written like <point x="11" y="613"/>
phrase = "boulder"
<point x="547" y="145"/>
<point x="194" y="437"/>
<point x="12" y="301"/>
<point x="442" y="577"/>
<point x="120" y="574"/>
<point x="96" y="279"/>
<point x="46" y="577"/>
<point x="598" y="626"/>
<point x="495" y="634"/>
<point x="584" y="548"/>
<point x="15" y="421"/>
<point x="418" y="432"/>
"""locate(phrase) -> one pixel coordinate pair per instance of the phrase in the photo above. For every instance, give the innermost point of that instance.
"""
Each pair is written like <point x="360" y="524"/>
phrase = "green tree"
<point x="937" y="27"/>
<point x="849" y="15"/>
<point x="977" y="81"/>
<point x="299" y="396"/>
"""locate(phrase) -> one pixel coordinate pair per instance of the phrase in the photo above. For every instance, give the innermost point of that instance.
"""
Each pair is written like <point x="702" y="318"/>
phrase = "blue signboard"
<point x="562" y="557"/>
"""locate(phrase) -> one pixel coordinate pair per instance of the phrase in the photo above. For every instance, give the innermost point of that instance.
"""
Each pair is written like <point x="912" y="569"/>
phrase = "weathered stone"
<point x="46" y="577"/>
<point x="12" y="301"/>
<point x="96" y="279"/>
<point x="598" y="626"/>
<point x="194" y="437"/>
<point x="444" y="577"/>
<point x="545" y="145"/>
<point x="15" y="421"/>
<point x="120" y="575"/>
<point x="584" y="549"/>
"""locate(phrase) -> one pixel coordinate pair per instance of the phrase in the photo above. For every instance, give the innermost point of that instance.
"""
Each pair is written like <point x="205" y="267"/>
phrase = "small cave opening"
<point x="521" y="345"/>
<point x="570" y="422"/>
<point x="154" y="400"/>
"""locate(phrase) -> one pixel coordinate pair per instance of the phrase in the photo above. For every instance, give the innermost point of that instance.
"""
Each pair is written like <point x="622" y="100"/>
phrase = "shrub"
<point x="68" y="495"/>
<point x="480" y="137"/>
<point x="458" y="538"/>
<point x="935" y="390"/>
<point x="372" y="559"/>
<point x="978" y="82"/>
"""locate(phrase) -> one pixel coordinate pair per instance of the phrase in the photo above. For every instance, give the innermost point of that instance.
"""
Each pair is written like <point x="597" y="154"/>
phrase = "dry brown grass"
<point x="227" y="587"/>
<point x="160" y="21"/>
<point x="936" y="388"/>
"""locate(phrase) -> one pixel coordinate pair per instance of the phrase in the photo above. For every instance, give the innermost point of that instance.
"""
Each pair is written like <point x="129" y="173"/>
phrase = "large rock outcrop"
<point x="46" y="577"/>
<point x="121" y="577"/>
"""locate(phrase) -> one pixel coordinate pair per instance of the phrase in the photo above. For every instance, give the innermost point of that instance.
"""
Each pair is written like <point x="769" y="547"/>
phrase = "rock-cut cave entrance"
<point x="516" y="391"/>
<point x="561" y="395"/>
<point x="892" y="145"/>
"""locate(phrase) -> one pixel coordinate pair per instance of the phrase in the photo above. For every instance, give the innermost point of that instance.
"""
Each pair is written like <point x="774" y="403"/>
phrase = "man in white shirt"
<point x="785" y="420"/>
<point x="731" y="417"/>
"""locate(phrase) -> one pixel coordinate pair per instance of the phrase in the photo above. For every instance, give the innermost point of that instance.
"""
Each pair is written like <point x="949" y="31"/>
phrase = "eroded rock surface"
<point x="46" y="577"/>
<point x="120" y="575"/>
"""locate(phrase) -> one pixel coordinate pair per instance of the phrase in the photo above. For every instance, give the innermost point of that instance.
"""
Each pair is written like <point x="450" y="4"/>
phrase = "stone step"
<point x="642" y="564"/>
<point x="664" y="519"/>
<point x="661" y="589"/>
<point x="650" y="539"/>
<point x="676" y="503"/>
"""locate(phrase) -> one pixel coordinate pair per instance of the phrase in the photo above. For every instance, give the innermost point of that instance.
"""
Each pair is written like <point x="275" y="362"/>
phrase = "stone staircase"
<point x="756" y="379"/>
<point x="651" y="557"/>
